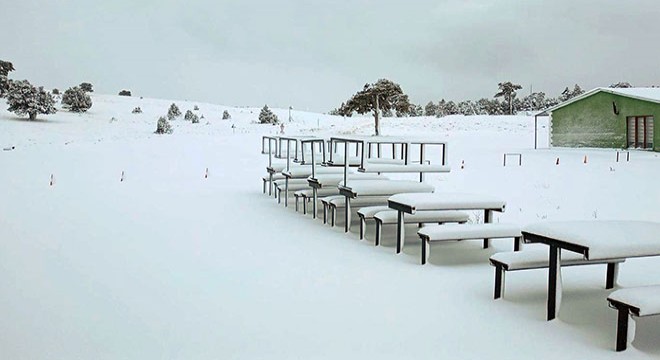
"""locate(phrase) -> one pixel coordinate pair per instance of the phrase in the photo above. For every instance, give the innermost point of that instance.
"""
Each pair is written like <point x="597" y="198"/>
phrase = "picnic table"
<point x="410" y="203"/>
<point x="596" y="240"/>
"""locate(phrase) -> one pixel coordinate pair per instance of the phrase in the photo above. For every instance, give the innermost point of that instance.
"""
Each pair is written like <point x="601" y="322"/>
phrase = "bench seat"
<point x="306" y="194"/>
<point x="538" y="259"/>
<point x="332" y="203"/>
<point x="454" y="232"/>
<point x="388" y="217"/>
<point x="367" y="213"/>
<point x="638" y="301"/>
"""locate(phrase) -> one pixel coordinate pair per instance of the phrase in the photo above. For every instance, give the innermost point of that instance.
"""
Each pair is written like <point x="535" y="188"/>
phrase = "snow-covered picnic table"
<point x="595" y="240"/>
<point x="323" y="181"/>
<point x="410" y="203"/>
<point x="357" y="188"/>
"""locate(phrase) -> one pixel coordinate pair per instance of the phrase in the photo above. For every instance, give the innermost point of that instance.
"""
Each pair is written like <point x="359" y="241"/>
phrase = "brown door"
<point x="640" y="132"/>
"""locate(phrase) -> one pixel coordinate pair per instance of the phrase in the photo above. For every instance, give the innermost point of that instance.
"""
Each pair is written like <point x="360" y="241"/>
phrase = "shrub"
<point x="267" y="117"/>
<point x="76" y="100"/>
<point x="86" y="87"/>
<point x="56" y="91"/>
<point x="137" y="110"/>
<point x="163" y="126"/>
<point x="125" y="93"/>
<point x="196" y="107"/>
<point x="225" y="115"/>
<point x="173" y="112"/>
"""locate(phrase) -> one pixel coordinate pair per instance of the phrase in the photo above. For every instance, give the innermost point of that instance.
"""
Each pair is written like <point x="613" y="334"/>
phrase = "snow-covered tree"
<point x="5" y="68"/>
<point x="416" y="110"/>
<point x="577" y="90"/>
<point x="195" y="107"/>
<point x="225" y="115"/>
<point x="441" y="109"/>
<point x="163" y="126"/>
<point x="86" y="87"/>
<point x="383" y="95"/>
<point x="76" y="99"/>
<point x="267" y="117"/>
<point x="125" y="93"/>
<point x="56" y="91"/>
<point x="191" y="116"/>
<point x="533" y="102"/>
<point x="622" y="84"/>
<point x="137" y="110"/>
<point x="25" y="99"/>
<point x="508" y="91"/>
<point x="173" y="112"/>
<point x="430" y="109"/>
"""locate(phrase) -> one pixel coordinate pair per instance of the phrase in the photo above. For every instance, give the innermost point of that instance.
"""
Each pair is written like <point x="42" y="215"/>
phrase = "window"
<point x="640" y="132"/>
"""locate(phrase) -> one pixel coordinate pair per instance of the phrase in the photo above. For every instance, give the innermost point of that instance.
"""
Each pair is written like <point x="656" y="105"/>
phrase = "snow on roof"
<point x="651" y="94"/>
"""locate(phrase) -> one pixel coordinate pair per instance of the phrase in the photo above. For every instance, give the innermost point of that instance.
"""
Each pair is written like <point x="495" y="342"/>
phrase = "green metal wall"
<point x="591" y="122"/>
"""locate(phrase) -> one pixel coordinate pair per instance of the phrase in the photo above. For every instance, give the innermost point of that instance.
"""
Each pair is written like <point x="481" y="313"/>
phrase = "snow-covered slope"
<point x="170" y="264"/>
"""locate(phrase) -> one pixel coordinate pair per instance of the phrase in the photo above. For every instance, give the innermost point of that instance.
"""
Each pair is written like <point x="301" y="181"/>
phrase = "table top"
<point x="385" y="187"/>
<point x="411" y="202"/>
<point x="599" y="239"/>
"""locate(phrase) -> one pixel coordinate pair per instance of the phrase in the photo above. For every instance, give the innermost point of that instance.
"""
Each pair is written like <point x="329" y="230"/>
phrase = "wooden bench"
<point x="454" y="232"/>
<point x="638" y="301"/>
<point x="307" y="194"/>
<point x="333" y="203"/>
<point x="389" y="217"/>
<point x="538" y="259"/>
<point x="367" y="213"/>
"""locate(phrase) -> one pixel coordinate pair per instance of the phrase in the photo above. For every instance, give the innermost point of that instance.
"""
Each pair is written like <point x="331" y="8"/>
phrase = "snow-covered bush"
<point x="225" y="115"/>
<point x="25" y="99"/>
<point x="86" y="87"/>
<point x="195" y="107"/>
<point x="195" y="119"/>
<point x="173" y="112"/>
<point x="56" y="91"/>
<point x="267" y="117"/>
<point x="189" y="115"/>
<point x="137" y="110"/>
<point x="76" y="99"/>
<point x="163" y="126"/>
<point x="125" y="93"/>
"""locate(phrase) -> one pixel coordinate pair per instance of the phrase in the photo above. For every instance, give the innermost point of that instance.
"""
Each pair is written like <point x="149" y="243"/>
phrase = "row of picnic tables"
<point x="596" y="240"/>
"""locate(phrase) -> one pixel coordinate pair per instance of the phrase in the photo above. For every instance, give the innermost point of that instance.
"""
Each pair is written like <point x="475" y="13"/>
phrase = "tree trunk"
<point x="33" y="115"/>
<point x="377" y="117"/>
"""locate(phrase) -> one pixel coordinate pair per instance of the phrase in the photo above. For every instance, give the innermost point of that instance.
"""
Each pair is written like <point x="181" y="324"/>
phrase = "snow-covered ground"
<point x="170" y="264"/>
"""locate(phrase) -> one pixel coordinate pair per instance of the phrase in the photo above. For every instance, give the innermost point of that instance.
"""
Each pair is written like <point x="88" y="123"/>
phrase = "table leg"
<point x="286" y="192"/>
<point x="347" y="217"/>
<point x="400" y="231"/>
<point x="487" y="220"/>
<point x="270" y="183"/>
<point x="314" y="198"/>
<point x="554" y="282"/>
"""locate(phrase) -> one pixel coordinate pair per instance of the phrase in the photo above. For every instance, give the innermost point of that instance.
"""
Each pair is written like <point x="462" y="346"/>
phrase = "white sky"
<point x="315" y="54"/>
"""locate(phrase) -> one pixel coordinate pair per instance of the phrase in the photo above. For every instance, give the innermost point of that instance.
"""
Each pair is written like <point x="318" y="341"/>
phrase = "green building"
<point x="607" y="118"/>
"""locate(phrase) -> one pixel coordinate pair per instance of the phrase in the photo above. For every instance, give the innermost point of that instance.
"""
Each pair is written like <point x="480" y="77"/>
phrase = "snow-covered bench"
<point x="454" y="232"/>
<point x="538" y="259"/>
<point x="401" y="168"/>
<point x="389" y="217"/>
<point x="367" y="213"/>
<point x="332" y="203"/>
<point x="639" y="301"/>
<point x="308" y="194"/>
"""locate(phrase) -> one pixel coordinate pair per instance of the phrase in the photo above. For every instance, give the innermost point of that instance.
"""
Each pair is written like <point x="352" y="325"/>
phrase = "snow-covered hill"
<point x="162" y="262"/>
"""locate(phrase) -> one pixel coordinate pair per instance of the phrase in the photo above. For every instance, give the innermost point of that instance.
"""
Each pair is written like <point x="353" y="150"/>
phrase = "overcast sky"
<point x="315" y="54"/>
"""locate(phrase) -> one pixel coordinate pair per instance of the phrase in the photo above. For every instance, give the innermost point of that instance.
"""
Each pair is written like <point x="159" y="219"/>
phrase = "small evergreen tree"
<point x="125" y="93"/>
<point x="86" y="87"/>
<point x="25" y="99"/>
<point x="173" y="112"/>
<point x="623" y="84"/>
<point x="5" y="68"/>
<point x="508" y="91"/>
<point x="225" y="115"/>
<point x="190" y="116"/>
<point x="163" y="126"/>
<point x="137" y="110"/>
<point x="195" y="107"/>
<point x="267" y="117"/>
<point x="430" y="109"/>
<point x="56" y="91"/>
<point x="76" y="99"/>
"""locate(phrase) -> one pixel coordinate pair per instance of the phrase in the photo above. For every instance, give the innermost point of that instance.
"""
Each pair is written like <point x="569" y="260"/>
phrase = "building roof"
<point x="651" y="94"/>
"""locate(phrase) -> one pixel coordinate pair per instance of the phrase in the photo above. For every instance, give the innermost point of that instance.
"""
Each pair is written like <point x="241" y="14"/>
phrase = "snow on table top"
<point x="449" y="201"/>
<point x="390" y="216"/>
<point x="304" y="171"/>
<point x="400" y="168"/>
<point x="388" y="187"/>
<point x="645" y="298"/>
<point x="335" y="179"/>
<point x="604" y="239"/>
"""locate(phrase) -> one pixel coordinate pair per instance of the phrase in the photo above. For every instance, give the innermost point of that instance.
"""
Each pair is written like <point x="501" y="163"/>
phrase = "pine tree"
<point x="163" y="126"/>
<point x="125" y="93"/>
<point x="430" y="109"/>
<point x="86" y="87"/>
<point x="191" y="116"/>
<point x="5" y="68"/>
<point x="577" y="90"/>
<point x="137" y="110"/>
<point x="225" y="115"/>
<point x="508" y="91"/>
<point x="173" y="112"/>
<point x="384" y="95"/>
<point x="623" y="84"/>
<point x="76" y="99"/>
<point x="25" y="99"/>
<point x="267" y="117"/>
